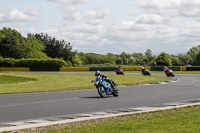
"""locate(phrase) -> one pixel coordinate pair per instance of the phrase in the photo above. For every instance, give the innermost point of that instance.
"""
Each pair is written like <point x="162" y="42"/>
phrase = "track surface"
<point x="16" y="107"/>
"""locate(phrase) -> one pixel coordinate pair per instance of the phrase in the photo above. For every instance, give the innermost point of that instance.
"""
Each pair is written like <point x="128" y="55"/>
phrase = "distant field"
<point x="16" y="82"/>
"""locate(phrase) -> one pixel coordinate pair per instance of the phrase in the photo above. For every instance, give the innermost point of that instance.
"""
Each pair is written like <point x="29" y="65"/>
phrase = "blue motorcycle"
<point x="146" y="72"/>
<point x="104" y="88"/>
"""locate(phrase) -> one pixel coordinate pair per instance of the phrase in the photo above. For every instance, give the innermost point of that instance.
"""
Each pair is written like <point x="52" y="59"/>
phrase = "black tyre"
<point x="102" y="92"/>
<point x="115" y="91"/>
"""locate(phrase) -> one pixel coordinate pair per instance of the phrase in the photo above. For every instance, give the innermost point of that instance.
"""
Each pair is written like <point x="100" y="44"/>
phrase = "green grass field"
<point x="19" y="82"/>
<point x="7" y="79"/>
<point x="181" y="120"/>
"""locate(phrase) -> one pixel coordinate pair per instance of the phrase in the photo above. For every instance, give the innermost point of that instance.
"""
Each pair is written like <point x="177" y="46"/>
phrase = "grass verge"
<point x="177" y="120"/>
<point x="63" y="82"/>
<point x="7" y="79"/>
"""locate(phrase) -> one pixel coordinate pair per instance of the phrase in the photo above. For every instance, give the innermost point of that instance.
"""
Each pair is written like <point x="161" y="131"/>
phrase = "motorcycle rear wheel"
<point x="115" y="92"/>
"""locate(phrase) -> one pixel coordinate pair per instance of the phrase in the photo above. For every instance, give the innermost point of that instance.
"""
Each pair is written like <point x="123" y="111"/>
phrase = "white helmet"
<point x="97" y="73"/>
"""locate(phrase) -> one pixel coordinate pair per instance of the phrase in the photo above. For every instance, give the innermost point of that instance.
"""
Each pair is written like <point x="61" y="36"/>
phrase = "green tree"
<point x="124" y="58"/>
<point x="175" y="60"/>
<point x="119" y="60"/>
<point x="139" y="58"/>
<point x="192" y="53"/>
<point x="164" y="57"/>
<point x="13" y="45"/>
<point x="30" y="48"/>
<point x="56" y="48"/>
<point x="185" y="59"/>
<point x="9" y="39"/>
<point x="197" y="58"/>
<point x="148" y="57"/>
<point x="132" y="61"/>
<point x="76" y="60"/>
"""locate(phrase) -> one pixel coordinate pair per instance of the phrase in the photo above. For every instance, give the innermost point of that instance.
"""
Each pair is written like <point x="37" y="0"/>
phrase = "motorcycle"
<point x="104" y="88"/>
<point x="169" y="73"/>
<point x="146" y="72"/>
<point x="119" y="71"/>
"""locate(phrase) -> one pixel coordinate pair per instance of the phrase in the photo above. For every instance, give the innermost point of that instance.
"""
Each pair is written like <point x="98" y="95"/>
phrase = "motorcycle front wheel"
<point x="173" y="75"/>
<point x="102" y="92"/>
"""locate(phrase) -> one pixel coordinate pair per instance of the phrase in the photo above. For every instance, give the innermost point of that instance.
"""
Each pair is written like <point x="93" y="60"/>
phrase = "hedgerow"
<point x="36" y="63"/>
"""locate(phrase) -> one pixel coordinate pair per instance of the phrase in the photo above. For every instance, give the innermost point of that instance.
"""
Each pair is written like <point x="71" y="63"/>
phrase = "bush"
<point x="34" y="63"/>
<point x="7" y="62"/>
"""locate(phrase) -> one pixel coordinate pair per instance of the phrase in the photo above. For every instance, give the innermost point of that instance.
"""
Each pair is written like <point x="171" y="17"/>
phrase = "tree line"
<point x="43" y="46"/>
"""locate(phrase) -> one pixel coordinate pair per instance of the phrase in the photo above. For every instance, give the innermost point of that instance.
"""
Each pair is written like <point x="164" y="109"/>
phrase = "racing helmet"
<point x="142" y="67"/>
<point x="97" y="73"/>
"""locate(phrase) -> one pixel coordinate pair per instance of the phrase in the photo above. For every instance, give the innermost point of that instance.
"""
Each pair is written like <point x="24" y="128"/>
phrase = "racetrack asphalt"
<point x="18" y="107"/>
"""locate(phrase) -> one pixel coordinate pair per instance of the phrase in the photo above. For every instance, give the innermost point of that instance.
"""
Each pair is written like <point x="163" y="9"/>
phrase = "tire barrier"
<point x="183" y="68"/>
<point x="193" y="68"/>
<point x="162" y="68"/>
<point x="74" y="69"/>
<point x="175" y="68"/>
<point x="45" y="69"/>
<point x="102" y="68"/>
<point x="14" y="69"/>
<point x="131" y="68"/>
<point x="68" y="69"/>
<point x="157" y="68"/>
<point x="134" y="68"/>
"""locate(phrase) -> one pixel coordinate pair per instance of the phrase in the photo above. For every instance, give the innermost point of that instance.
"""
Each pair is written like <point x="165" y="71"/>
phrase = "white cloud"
<point x="97" y="16"/>
<point x="172" y="8"/>
<point x="32" y="11"/>
<point x="190" y="3"/>
<point x="131" y="26"/>
<point x="158" y="4"/>
<point x="69" y="2"/>
<point x="71" y="13"/>
<point x="14" y="15"/>
<point x="190" y="12"/>
<point x="133" y="12"/>
<point x="86" y="28"/>
<point x="152" y="19"/>
<point x="94" y="26"/>
<point x="17" y="15"/>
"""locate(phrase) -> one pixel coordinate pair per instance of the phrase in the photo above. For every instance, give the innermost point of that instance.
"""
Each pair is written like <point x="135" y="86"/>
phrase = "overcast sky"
<point x="109" y="26"/>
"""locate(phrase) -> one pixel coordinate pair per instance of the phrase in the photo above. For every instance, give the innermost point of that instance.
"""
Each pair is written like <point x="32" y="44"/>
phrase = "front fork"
<point x="107" y="89"/>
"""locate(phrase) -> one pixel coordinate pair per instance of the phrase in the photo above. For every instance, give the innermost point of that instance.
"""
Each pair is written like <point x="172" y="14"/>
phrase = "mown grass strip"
<point x="64" y="82"/>
<point x="178" y="120"/>
<point x="7" y="79"/>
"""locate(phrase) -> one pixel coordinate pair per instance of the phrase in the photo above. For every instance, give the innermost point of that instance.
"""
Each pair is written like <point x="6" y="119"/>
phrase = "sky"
<point x="109" y="26"/>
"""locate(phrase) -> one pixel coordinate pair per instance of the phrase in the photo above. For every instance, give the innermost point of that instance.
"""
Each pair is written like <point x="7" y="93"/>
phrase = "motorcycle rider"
<point x="166" y="69"/>
<point x="106" y="78"/>
<point x="118" y="70"/>
<point x="144" y="71"/>
<point x="98" y="73"/>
